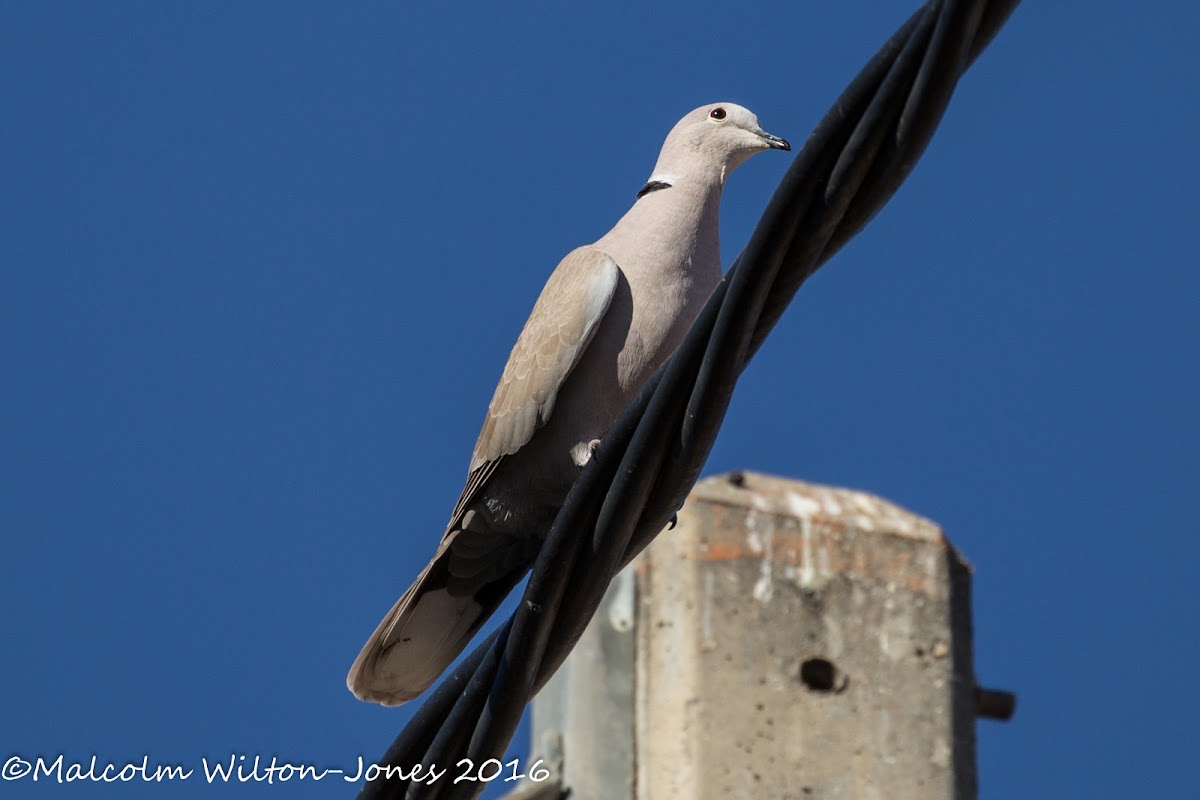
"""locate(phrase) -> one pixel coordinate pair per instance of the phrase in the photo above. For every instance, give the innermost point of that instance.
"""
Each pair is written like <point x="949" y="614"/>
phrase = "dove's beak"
<point x="774" y="142"/>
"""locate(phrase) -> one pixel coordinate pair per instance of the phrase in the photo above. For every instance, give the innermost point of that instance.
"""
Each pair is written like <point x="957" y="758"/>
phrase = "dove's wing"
<point x="474" y="569"/>
<point x="563" y="321"/>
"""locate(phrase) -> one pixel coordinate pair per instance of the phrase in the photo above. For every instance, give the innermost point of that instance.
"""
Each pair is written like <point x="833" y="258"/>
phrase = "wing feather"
<point x="561" y="325"/>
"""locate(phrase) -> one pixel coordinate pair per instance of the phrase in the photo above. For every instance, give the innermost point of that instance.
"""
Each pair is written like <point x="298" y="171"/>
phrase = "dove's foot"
<point x="582" y="453"/>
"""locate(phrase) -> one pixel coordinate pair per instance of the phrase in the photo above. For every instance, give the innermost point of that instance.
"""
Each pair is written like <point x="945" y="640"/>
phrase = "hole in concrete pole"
<point x="821" y="675"/>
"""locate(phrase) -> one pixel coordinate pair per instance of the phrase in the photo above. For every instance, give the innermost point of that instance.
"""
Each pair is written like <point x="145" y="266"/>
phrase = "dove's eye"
<point x="717" y="114"/>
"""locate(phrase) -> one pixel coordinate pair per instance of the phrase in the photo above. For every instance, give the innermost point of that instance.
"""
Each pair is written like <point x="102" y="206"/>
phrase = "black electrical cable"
<point x="854" y="161"/>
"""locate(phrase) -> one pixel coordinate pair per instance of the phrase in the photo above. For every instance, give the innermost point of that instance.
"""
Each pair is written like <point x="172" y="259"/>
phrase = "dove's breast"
<point x="668" y="270"/>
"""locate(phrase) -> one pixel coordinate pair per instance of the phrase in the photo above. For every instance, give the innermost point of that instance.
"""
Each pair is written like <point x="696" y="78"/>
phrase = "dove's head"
<point x="717" y="136"/>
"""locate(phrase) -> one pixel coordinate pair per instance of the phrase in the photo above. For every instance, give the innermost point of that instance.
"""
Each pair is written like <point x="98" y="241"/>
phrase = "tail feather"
<point x="434" y="620"/>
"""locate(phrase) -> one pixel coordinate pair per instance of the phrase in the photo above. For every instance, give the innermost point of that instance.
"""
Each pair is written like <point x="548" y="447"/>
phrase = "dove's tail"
<point x="469" y="576"/>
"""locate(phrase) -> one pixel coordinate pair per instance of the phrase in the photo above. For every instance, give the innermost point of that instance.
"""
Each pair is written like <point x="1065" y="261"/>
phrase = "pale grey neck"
<point x="673" y="225"/>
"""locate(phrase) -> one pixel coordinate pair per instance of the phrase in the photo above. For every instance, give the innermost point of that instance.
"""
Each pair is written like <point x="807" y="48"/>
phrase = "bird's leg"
<point x="674" y="520"/>
<point x="582" y="453"/>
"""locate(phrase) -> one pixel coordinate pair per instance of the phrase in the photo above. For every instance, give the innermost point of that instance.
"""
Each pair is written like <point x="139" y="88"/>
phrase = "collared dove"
<point x="609" y="316"/>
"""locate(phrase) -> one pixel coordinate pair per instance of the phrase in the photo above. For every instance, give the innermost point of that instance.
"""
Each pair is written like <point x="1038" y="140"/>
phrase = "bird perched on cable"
<point x="610" y="314"/>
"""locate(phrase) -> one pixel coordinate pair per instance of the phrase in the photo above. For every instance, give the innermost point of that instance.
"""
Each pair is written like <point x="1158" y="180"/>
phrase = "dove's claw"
<point x="582" y="453"/>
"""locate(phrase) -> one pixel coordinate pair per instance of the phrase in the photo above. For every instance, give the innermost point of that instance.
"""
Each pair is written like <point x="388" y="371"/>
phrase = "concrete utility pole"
<point x="786" y="640"/>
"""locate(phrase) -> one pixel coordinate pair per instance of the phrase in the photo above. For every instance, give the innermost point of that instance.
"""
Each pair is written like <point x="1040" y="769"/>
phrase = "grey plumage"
<point x="608" y="316"/>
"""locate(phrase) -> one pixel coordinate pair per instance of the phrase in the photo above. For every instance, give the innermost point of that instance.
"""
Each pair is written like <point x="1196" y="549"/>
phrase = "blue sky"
<point x="261" y="264"/>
